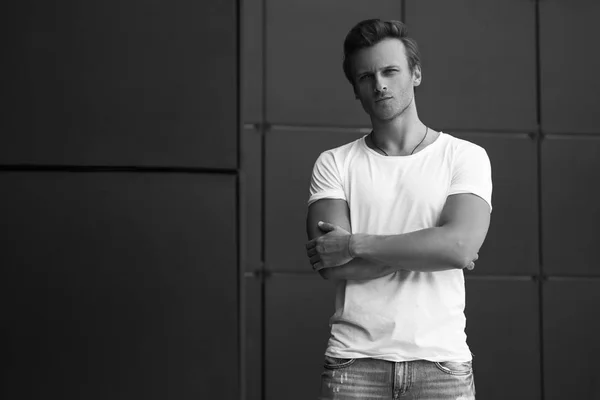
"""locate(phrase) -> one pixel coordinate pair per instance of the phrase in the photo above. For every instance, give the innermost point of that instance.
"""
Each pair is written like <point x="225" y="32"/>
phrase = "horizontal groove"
<point x="571" y="135"/>
<point x="501" y="277"/>
<point x="572" y="278"/>
<point x="491" y="132"/>
<point x="467" y="276"/>
<point x="292" y="273"/>
<point x="320" y="128"/>
<point x="505" y="135"/>
<point x="120" y="168"/>
<point x="251" y="126"/>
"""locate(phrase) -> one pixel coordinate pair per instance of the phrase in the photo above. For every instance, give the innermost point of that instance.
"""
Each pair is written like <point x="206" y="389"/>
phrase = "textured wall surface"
<point x="516" y="77"/>
<point x="119" y="206"/>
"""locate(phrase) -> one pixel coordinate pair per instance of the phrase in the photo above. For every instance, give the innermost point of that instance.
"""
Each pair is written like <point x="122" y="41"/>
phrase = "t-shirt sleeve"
<point x="326" y="182"/>
<point x="472" y="173"/>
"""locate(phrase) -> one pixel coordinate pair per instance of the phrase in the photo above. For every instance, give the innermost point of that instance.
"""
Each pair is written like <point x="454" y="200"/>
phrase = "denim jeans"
<point x="368" y="378"/>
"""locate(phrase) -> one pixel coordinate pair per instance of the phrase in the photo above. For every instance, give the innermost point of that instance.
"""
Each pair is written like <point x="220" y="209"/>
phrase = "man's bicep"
<point x="334" y="211"/>
<point x="469" y="216"/>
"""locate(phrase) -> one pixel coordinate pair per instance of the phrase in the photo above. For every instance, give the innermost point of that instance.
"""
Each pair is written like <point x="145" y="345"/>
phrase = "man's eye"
<point x="363" y="77"/>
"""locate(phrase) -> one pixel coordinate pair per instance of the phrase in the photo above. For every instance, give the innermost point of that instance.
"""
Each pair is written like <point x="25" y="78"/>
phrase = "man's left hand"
<point x="331" y="249"/>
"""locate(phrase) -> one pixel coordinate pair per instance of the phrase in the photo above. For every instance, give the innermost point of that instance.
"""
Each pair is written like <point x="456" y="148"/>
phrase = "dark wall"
<point x="519" y="78"/>
<point x="119" y="177"/>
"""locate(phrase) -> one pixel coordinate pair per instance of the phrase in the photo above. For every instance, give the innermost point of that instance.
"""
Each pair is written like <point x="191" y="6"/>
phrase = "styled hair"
<point x="369" y="32"/>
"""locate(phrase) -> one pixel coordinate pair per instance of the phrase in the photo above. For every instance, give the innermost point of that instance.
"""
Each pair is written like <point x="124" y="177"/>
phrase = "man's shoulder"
<point x="344" y="150"/>
<point x="460" y="144"/>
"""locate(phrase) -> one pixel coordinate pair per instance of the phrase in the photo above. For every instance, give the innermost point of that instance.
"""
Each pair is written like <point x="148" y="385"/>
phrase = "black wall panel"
<point x="571" y="332"/>
<point x="478" y="60"/>
<point x="110" y="282"/>
<point x="569" y="66"/>
<point x="120" y="83"/>
<point x="252" y="61"/>
<point x="297" y="310"/>
<point x="254" y="335"/>
<point x="290" y="156"/>
<point x="305" y="81"/>
<point x="570" y="199"/>
<point x="511" y="246"/>
<point x="503" y="334"/>
<point x="251" y="183"/>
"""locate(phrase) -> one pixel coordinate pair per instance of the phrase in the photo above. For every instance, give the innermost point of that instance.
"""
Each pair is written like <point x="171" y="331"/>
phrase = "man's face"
<point x="383" y="82"/>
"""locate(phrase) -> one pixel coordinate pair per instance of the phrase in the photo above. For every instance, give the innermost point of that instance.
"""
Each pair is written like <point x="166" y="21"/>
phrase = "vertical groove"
<point x="539" y="138"/>
<point x="263" y="319"/>
<point x="240" y="211"/>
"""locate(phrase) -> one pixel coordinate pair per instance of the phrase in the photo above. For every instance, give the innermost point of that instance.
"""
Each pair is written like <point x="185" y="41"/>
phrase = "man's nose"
<point x="380" y="86"/>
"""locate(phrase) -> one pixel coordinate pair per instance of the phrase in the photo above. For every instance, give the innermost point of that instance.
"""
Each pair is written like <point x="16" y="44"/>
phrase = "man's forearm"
<point x="361" y="269"/>
<point x="427" y="250"/>
<point x="357" y="269"/>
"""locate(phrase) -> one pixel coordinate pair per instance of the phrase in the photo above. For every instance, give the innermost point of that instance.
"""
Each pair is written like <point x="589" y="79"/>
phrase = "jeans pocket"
<point x="337" y="363"/>
<point x="455" y="368"/>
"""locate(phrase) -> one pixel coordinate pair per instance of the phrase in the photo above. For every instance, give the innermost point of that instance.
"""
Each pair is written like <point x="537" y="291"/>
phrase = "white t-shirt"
<point x="406" y="315"/>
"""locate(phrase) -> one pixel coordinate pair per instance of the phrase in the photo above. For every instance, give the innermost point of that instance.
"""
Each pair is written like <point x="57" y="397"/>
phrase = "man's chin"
<point x="383" y="116"/>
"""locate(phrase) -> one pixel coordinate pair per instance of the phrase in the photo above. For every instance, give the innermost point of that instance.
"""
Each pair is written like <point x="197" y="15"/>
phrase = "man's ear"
<point x="417" y="76"/>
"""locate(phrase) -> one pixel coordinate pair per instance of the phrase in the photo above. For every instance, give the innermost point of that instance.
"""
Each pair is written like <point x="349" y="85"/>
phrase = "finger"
<point x="326" y="226"/>
<point x="318" y="266"/>
<point x="311" y="244"/>
<point x="314" y="259"/>
<point x="311" y="252"/>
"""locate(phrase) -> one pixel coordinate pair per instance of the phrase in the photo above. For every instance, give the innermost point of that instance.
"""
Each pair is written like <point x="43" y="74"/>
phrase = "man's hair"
<point x="369" y="32"/>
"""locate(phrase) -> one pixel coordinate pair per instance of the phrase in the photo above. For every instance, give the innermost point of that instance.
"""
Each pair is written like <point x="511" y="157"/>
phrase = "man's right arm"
<point x="336" y="212"/>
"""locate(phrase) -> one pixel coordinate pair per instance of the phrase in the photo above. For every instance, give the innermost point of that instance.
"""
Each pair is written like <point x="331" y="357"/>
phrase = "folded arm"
<point x="453" y="244"/>
<point x="336" y="212"/>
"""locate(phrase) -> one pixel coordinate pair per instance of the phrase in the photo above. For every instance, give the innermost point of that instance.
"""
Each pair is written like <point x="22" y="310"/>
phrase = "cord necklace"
<point x="411" y="153"/>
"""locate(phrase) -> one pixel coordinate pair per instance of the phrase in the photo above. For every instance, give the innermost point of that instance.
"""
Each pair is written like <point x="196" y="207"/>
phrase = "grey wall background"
<point x="154" y="165"/>
<point x="119" y="208"/>
<point x="518" y="77"/>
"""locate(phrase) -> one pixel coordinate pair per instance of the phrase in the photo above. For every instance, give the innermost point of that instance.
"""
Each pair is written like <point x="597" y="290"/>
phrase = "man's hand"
<point x="331" y="249"/>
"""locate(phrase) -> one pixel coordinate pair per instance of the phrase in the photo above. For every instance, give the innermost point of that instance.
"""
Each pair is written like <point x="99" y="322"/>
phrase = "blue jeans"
<point x="369" y="378"/>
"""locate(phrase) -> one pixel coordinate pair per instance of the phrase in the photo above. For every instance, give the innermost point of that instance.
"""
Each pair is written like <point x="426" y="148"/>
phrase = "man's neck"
<point x="400" y="135"/>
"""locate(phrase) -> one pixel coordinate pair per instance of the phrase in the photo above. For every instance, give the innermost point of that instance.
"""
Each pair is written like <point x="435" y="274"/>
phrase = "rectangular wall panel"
<point x="570" y="198"/>
<point x="503" y="334"/>
<point x="254" y="336"/>
<point x="305" y="80"/>
<point x="478" y="62"/>
<point x="571" y="332"/>
<point x="511" y="245"/>
<point x="119" y="285"/>
<point x="252" y="198"/>
<point x="121" y="83"/>
<point x="252" y="60"/>
<point x="298" y="308"/>
<point x="290" y="156"/>
<point x="569" y="66"/>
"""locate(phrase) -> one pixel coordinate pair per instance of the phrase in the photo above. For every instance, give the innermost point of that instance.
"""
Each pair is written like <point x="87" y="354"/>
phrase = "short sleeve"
<point x="326" y="182"/>
<point x="472" y="173"/>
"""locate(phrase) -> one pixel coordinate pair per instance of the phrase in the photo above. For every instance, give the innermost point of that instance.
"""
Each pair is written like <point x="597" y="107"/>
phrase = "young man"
<point x="395" y="217"/>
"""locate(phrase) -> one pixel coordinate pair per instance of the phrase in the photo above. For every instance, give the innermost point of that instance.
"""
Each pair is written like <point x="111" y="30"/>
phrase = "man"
<point x="395" y="217"/>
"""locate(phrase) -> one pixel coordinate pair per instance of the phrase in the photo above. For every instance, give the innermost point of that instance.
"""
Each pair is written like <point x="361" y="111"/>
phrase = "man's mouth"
<point x="382" y="99"/>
